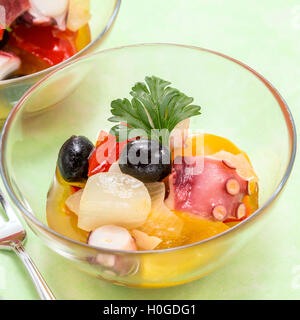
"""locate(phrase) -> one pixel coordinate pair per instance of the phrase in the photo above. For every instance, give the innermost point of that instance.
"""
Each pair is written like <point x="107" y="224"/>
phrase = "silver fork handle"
<point x="41" y="286"/>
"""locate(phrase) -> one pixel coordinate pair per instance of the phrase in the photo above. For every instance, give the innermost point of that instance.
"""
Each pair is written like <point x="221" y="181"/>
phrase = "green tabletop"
<point x="266" y="36"/>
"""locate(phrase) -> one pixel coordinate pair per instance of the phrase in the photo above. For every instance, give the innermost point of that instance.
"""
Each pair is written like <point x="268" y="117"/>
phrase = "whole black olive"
<point x="146" y="160"/>
<point x="73" y="158"/>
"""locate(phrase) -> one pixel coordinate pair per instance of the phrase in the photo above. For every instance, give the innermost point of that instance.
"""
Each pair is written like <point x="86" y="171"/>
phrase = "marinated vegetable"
<point x="144" y="190"/>
<point x="107" y="151"/>
<point x="113" y="198"/>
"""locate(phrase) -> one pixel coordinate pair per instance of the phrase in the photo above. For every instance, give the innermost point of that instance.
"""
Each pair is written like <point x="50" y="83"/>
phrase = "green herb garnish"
<point x="155" y="105"/>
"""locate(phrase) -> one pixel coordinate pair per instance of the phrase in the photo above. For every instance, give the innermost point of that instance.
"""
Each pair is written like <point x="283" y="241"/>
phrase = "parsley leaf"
<point x="154" y="105"/>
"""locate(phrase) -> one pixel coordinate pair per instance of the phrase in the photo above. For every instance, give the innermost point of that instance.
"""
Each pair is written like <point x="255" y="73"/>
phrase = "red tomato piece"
<point x="106" y="153"/>
<point x="45" y="42"/>
<point x="103" y="136"/>
<point x="1" y="32"/>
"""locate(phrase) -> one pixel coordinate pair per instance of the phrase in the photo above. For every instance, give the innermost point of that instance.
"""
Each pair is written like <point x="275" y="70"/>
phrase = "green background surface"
<point x="263" y="34"/>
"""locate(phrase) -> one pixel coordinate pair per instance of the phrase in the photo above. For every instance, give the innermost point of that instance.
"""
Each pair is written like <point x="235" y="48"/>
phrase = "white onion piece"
<point x="73" y="201"/>
<point x="157" y="193"/>
<point x="113" y="198"/>
<point x="115" y="168"/>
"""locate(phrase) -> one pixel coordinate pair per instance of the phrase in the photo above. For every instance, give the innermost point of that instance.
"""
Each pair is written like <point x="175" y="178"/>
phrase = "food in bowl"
<point x="35" y="35"/>
<point x="149" y="183"/>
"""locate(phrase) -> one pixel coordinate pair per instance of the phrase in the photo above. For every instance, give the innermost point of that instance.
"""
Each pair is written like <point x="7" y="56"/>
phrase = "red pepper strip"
<point x="103" y="137"/>
<point x="1" y="32"/>
<point x="106" y="153"/>
<point x="75" y="189"/>
<point x="45" y="42"/>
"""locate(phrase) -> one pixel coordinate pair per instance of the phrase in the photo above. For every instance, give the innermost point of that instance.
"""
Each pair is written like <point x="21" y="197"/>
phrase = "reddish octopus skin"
<point x="205" y="190"/>
<point x="12" y="9"/>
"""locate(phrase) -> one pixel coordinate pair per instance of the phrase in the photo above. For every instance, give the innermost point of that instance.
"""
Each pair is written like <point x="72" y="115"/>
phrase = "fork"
<point x="12" y="236"/>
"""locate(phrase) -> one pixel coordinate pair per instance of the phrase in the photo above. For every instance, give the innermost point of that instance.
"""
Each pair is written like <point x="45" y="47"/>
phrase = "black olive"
<point x="146" y="160"/>
<point x="73" y="158"/>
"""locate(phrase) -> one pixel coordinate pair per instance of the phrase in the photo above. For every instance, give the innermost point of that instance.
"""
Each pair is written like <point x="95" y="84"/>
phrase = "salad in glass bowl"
<point x="35" y="35"/>
<point x="175" y="218"/>
<point x="150" y="183"/>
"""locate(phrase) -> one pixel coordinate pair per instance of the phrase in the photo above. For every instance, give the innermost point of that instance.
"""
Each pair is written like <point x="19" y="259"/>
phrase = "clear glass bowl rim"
<point x="109" y="23"/>
<point x="281" y="102"/>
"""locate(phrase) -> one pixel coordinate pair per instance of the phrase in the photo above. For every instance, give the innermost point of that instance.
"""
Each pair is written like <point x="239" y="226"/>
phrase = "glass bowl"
<point x="237" y="103"/>
<point x="103" y="14"/>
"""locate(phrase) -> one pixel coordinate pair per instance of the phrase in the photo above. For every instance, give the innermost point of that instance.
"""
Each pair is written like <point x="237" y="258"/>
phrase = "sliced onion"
<point x="113" y="198"/>
<point x="73" y="201"/>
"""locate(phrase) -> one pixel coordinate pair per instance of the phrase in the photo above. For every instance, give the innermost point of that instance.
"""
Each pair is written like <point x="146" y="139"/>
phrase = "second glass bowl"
<point x="103" y="14"/>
